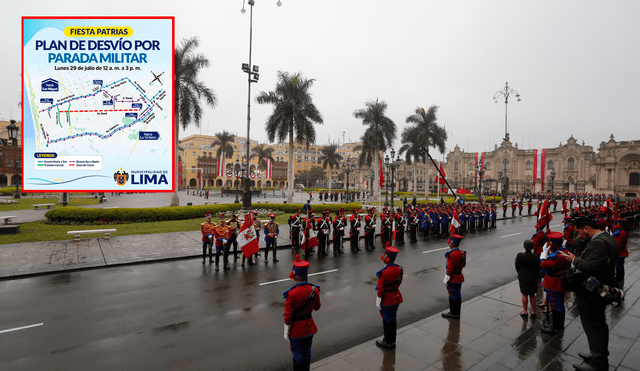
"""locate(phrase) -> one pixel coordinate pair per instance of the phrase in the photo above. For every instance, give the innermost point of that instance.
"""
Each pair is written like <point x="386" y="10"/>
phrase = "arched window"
<point x="487" y="166"/>
<point x="529" y="165"/>
<point x="550" y="165"/>
<point x="634" y="179"/>
<point x="505" y="164"/>
<point x="571" y="163"/>
<point x="455" y="166"/>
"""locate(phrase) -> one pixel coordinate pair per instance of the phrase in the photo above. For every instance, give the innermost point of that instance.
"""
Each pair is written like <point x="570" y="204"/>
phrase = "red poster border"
<point x="173" y="123"/>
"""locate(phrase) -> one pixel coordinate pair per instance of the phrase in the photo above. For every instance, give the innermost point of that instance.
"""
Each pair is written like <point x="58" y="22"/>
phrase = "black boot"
<point x="548" y="325"/>
<point x="386" y="341"/>
<point x="391" y="333"/>
<point x="210" y="255"/>
<point x="452" y="311"/>
<point x="274" y="255"/>
<point x="217" y="262"/>
<point x="558" y="321"/>
<point x="458" y="305"/>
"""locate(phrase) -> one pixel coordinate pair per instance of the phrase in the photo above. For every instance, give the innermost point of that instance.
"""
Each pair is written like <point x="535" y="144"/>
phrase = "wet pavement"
<point x="178" y="312"/>
<point x="491" y="335"/>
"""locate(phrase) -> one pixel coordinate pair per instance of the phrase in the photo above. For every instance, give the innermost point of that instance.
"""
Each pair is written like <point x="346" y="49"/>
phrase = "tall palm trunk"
<point x="290" y="170"/>
<point x="415" y="181"/>
<point x="330" y="177"/>
<point x="175" y="200"/>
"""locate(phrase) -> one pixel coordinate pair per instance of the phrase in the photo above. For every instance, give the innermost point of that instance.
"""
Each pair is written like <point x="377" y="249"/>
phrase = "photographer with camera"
<point x="597" y="265"/>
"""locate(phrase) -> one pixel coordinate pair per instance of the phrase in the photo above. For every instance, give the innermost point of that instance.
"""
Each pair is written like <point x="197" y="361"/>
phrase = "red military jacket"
<point x="568" y="234"/>
<point x="620" y="236"/>
<point x="539" y="238"/>
<point x="456" y="260"/>
<point x="206" y="229"/>
<point x="300" y="301"/>
<point x="389" y="281"/>
<point x="221" y="231"/>
<point x="554" y="265"/>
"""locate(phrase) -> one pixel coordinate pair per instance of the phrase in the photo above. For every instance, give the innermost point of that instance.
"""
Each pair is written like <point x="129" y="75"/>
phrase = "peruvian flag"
<point x="455" y="222"/>
<point x="220" y="172"/>
<point x="312" y="241"/>
<point x="538" y="166"/>
<point x="268" y="174"/>
<point x="381" y="175"/>
<point x="608" y="205"/>
<point x="247" y="238"/>
<point x="441" y="180"/>
<point x="545" y="218"/>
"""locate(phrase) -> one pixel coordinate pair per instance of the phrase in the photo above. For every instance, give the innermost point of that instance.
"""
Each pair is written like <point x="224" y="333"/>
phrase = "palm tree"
<point x="293" y="114"/>
<point x="188" y="91"/>
<point x="263" y="154"/>
<point x="381" y="131"/>
<point x="426" y="132"/>
<point x="411" y="150"/>
<point x="331" y="158"/>
<point x="224" y="142"/>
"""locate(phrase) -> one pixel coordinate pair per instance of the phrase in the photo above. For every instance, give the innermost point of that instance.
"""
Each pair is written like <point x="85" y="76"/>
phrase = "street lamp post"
<point x="552" y="175"/>
<point x="237" y="171"/>
<point x="480" y="171"/>
<point x="506" y="92"/>
<point x="12" y="130"/>
<point x="464" y="179"/>
<point x="253" y="75"/>
<point x="392" y="164"/>
<point x="348" y="167"/>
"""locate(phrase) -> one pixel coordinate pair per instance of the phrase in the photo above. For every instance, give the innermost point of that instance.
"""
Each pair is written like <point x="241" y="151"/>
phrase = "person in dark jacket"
<point x="598" y="261"/>
<point x="528" y="268"/>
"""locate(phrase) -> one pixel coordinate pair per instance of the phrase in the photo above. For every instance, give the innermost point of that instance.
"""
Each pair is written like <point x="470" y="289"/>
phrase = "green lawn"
<point x="26" y="202"/>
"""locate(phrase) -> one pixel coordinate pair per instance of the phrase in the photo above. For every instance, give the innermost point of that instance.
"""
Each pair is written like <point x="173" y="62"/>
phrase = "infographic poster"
<point x="98" y="104"/>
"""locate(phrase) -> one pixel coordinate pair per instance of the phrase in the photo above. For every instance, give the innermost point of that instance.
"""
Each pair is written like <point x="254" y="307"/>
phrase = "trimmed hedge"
<point x="131" y="215"/>
<point x="81" y="215"/>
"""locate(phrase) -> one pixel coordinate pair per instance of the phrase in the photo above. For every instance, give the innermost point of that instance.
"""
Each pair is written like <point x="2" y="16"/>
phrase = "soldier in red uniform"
<point x="323" y="224"/>
<point x="207" y="237"/>
<point x="400" y="225"/>
<point x="354" y="232"/>
<point x="385" y="226"/>
<point x="300" y="301"/>
<point x="504" y="208"/>
<point x="620" y="235"/>
<point x="308" y="224"/>
<point x="370" y="229"/>
<point x="389" y="297"/>
<point x="568" y="231"/>
<point x="339" y="223"/>
<point x="520" y="207"/>
<point x="513" y="207"/>
<point x="529" y="205"/>
<point x="222" y="234"/>
<point x="538" y="238"/>
<point x="453" y="278"/>
<point x="553" y="265"/>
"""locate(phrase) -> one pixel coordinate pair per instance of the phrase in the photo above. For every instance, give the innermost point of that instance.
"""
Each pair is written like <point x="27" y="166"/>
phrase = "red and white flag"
<point x="608" y="205"/>
<point x="220" y="172"/>
<point x="545" y="218"/>
<point x="268" y="172"/>
<point x="538" y="166"/>
<point x="247" y="238"/>
<point x="312" y="240"/>
<point x="441" y="180"/>
<point x="455" y="222"/>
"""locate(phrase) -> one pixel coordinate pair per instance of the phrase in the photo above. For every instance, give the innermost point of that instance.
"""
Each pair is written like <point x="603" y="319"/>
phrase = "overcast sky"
<point x="576" y="64"/>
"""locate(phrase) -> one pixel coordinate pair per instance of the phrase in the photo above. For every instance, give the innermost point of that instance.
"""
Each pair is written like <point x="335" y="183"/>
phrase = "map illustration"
<point x="96" y="107"/>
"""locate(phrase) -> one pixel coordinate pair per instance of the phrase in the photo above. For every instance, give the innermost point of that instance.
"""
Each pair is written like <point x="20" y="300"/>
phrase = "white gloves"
<point x="545" y="251"/>
<point x="446" y="279"/>
<point x="210" y="236"/>
<point x="287" y="329"/>
<point x="378" y="301"/>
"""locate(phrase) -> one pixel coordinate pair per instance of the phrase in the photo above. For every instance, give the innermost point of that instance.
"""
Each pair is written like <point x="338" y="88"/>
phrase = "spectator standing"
<point x="528" y="268"/>
<point x="598" y="260"/>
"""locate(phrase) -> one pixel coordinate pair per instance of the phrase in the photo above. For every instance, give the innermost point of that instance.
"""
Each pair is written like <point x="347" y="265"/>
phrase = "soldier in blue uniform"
<point x="388" y="296"/>
<point x="271" y="232"/>
<point x="300" y="301"/>
<point x="453" y="278"/>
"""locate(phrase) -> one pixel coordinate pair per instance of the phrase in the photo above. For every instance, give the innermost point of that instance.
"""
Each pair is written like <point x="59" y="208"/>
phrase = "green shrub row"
<point x="73" y="215"/>
<point x="137" y="215"/>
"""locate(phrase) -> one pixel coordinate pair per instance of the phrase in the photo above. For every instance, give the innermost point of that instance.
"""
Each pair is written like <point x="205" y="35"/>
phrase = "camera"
<point x="611" y="295"/>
